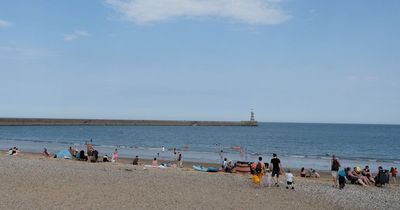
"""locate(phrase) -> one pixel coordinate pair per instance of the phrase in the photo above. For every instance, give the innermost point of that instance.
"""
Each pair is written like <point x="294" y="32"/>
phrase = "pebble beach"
<point x="36" y="182"/>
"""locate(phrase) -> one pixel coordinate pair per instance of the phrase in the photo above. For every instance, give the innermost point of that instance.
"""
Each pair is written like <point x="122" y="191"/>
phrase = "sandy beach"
<point x="30" y="181"/>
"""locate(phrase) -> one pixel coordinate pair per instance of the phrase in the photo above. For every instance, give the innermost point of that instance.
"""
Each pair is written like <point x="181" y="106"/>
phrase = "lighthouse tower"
<point x="252" y="116"/>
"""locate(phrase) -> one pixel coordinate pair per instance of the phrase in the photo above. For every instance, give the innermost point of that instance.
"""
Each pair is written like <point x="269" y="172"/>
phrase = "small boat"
<point x="205" y="169"/>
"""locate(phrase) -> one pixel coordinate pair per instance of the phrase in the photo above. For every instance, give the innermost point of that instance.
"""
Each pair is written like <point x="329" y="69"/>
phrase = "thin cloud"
<point x="25" y="53"/>
<point x="252" y="12"/>
<point x="5" y="24"/>
<point x="76" y="35"/>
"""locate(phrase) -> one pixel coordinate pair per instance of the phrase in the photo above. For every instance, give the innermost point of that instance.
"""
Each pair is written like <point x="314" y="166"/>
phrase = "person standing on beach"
<point x="276" y="168"/>
<point x="115" y="155"/>
<point x="335" y="165"/>
<point x="135" y="160"/>
<point x="180" y="160"/>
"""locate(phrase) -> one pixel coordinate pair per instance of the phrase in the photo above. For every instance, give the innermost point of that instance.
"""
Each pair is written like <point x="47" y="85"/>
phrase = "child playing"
<point x="289" y="180"/>
<point x="342" y="178"/>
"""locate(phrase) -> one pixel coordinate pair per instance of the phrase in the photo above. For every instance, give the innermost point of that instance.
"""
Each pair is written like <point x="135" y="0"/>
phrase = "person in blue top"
<point x="342" y="178"/>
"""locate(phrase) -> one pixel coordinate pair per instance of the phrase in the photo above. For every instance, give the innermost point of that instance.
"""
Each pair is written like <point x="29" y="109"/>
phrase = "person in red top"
<point x="393" y="172"/>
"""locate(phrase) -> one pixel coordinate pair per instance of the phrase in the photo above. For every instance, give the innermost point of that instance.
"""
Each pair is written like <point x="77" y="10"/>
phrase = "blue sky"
<point x="289" y="60"/>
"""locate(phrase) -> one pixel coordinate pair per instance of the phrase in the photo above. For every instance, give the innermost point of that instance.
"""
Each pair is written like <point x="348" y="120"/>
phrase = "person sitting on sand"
<point x="10" y="151"/>
<point x="314" y="174"/>
<point x="366" y="172"/>
<point x="72" y="151"/>
<point x="105" y="158"/>
<point x="135" y="160"/>
<point x="357" y="172"/>
<point x="302" y="172"/>
<point x="95" y="156"/>
<point x="14" y="151"/>
<point x="154" y="162"/>
<point x="352" y="178"/>
<point x="289" y="180"/>
<point x="229" y="167"/>
<point x="382" y="177"/>
<point x="224" y="164"/>
<point x="46" y="153"/>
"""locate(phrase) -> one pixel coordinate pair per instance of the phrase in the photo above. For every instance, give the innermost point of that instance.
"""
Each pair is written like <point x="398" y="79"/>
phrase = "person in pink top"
<point x="154" y="162"/>
<point x="115" y="155"/>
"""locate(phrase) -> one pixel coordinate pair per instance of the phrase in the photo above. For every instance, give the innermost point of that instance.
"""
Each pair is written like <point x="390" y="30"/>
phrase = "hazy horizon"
<point x="305" y="61"/>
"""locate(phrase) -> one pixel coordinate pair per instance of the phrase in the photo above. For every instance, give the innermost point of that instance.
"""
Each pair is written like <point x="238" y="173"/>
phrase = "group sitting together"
<point x="13" y="151"/>
<point x="364" y="176"/>
<point x="91" y="155"/>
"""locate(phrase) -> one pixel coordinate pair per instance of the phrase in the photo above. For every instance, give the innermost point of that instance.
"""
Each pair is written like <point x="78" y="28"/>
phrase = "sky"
<point x="317" y="61"/>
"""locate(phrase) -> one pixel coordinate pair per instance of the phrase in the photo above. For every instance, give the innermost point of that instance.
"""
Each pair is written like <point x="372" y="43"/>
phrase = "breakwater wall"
<point x="106" y="122"/>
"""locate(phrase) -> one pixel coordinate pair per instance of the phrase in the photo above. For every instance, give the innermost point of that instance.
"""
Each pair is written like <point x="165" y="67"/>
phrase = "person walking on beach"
<point x="276" y="168"/>
<point x="335" y="165"/>
<point x="260" y="169"/>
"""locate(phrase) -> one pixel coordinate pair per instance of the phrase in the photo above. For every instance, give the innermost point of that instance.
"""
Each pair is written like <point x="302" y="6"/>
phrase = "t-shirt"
<point x="335" y="165"/>
<point x="224" y="164"/>
<point x="289" y="177"/>
<point x="275" y="164"/>
<point x="342" y="173"/>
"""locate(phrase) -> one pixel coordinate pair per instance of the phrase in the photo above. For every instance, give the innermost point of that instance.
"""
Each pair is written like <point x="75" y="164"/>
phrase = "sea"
<point x="308" y="145"/>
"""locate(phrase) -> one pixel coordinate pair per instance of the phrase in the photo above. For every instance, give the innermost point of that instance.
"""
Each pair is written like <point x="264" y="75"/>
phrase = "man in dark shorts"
<point x="276" y="168"/>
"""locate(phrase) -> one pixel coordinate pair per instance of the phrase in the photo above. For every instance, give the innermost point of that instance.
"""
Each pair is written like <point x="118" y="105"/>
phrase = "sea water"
<point x="297" y="144"/>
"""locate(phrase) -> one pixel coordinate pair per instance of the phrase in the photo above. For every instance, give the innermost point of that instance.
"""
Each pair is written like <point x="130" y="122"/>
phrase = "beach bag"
<point x="256" y="179"/>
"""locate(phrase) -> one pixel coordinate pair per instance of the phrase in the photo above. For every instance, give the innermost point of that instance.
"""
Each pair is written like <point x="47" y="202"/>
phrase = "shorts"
<point x="334" y="173"/>
<point x="275" y="173"/>
<point x="289" y="183"/>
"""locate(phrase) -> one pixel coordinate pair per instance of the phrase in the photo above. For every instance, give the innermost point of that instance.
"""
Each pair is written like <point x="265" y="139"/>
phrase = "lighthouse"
<point x="252" y="119"/>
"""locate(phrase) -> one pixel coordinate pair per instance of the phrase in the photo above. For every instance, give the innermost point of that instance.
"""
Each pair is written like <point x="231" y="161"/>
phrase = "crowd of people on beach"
<point x="92" y="155"/>
<point x="269" y="174"/>
<point x="266" y="174"/>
